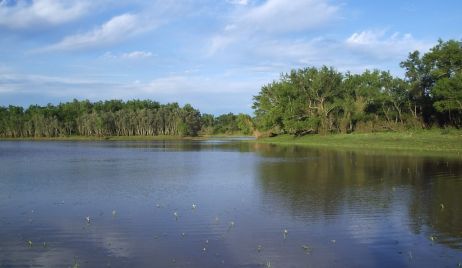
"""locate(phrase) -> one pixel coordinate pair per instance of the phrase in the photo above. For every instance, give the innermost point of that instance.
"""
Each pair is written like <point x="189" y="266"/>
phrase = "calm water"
<point x="340" y="209"/>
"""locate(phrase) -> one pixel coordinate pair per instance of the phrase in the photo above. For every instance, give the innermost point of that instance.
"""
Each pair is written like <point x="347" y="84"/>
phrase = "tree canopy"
<point x="115" y="118"/>
<point x="323" y="100"/>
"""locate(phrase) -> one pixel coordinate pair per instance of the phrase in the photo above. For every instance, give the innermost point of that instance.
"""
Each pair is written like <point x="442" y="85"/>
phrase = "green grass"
<point x="416" y="141"/>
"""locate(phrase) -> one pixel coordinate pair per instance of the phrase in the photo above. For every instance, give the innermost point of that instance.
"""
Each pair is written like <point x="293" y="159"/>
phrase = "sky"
<point x="212" y="54"/>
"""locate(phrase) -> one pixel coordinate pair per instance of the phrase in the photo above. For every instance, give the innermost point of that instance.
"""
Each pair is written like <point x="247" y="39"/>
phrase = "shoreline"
<point x="425" y="141"/>
<point x="123" y="138"/>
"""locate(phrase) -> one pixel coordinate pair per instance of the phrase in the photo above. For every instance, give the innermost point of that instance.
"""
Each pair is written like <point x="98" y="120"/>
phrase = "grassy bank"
<point x="423" y="141"/>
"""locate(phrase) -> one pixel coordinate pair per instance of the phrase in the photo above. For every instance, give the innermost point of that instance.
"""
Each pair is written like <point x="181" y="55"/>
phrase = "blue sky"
<point x="213" y="54"/>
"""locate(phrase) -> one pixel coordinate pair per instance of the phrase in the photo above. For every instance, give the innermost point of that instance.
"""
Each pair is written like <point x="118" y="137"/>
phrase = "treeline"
<point x="117" y="118"/>
<point x="323" y="100"/>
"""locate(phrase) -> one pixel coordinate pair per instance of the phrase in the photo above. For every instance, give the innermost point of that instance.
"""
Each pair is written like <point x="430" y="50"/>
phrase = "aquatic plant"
<point x="306" y="248"/>
<point x="76" y="264"/>
<point x="231" y="225"/>
<point x="285" y="233"/>
<point x="259" y="248"/>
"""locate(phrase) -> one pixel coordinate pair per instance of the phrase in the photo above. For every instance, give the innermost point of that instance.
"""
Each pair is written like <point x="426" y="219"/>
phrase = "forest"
<point x="117" y="118"/>
<point x="323" y="100"/>
<point x="310" y="100"/>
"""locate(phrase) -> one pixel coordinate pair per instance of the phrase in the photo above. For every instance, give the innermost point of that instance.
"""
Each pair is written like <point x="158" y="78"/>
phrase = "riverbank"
<point x="123" y="138"/>
<point x="425" y="141"/>
<point x="418" y="141"/>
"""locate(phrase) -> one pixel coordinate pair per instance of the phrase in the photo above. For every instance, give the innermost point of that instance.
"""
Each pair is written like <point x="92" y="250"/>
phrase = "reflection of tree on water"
<point x="318" y="184"/>
<point x="437" y="201"/>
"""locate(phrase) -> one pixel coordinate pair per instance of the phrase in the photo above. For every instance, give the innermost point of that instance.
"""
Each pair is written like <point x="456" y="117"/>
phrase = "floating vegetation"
<point x="306" y="248"/>
<point x="285" y="233"/>
<point x="231" y="225"/>
<point x="76" y="264"/>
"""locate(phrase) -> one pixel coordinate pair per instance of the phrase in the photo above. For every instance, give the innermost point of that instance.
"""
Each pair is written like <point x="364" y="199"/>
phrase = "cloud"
<point x="239" y="2"/>
<point x="284" y="16"/>
<point x="115" y="30"/>
<point x="39" y="13"/>
<point x="177" y="84"/>
<point x="377" y="44"/>
<point x="271" y="18"/>
<point x="133" y="55"/>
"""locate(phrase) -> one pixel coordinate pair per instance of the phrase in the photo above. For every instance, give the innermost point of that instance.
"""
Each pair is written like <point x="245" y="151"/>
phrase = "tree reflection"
<point x="319" y="184"/>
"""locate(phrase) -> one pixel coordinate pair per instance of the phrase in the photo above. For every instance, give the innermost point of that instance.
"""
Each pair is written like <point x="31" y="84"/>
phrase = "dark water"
<point x="340" y="209"/>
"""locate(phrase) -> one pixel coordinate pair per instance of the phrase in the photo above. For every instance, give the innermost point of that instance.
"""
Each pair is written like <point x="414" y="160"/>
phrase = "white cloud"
<point x="133" y="55"/>
<point x="137" y="55"/>
<point x="376" y="43"/>
<point x="23" y="14"/>
<point x="273" y="17"/>
<point x="239" y="2"/>
<point x="283" y="16"/>
<point x="115" y="30"/>
<point x="179" y="84"/>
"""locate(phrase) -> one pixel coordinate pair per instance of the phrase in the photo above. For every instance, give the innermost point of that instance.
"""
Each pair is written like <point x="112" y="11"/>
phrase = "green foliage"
<point x="108" y="118"/>
<point x="117" y="118"/>
<point x="322" y="100"/>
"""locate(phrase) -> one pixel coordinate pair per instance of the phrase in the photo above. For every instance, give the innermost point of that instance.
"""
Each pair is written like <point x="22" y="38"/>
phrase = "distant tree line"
<point x="117" y="118"/>
<point x="310" y="100"/>
<point x="323" y="100"/>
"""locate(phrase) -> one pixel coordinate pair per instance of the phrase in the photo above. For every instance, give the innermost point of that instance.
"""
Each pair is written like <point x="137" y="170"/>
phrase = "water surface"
<point x="340" y="208"/>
